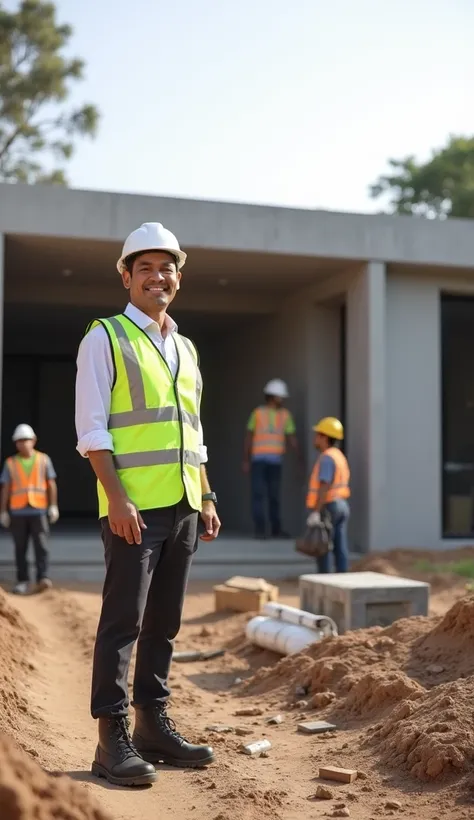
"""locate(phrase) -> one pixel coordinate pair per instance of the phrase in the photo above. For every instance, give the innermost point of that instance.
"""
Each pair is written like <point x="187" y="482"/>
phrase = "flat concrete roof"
<point x="54" y="211"/>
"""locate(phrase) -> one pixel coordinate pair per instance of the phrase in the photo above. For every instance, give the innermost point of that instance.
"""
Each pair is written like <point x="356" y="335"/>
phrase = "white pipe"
<point x="291" y="615"/>
<point x="279" y="636"/>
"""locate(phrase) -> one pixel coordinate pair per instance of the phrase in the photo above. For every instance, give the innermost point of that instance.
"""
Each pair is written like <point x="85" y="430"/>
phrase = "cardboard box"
<point x="241" y="594"/>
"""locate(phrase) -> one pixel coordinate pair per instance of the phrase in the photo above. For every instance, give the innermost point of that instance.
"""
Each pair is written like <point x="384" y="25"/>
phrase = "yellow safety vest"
<point x="154" y="419"/>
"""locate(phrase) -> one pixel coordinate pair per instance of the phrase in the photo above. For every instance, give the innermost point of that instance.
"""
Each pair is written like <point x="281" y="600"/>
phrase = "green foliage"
<point x="441" y="187"/>
<point x="36" y="130"/>
<point x="464" y="568"/>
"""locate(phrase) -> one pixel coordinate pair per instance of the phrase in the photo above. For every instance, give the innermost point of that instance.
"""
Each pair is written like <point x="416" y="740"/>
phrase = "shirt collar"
<point x="143" y="321"/>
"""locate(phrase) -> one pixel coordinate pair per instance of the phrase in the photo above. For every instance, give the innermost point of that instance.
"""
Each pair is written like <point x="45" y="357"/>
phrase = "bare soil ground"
<point x="402" y="699"/>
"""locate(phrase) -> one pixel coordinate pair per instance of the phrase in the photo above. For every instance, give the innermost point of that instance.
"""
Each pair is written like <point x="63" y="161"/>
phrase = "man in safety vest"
<point x="138" y="395"/>
<point x="329" y="490"/>
<point x="269" y="429"/>
<point x="28" y="504"/>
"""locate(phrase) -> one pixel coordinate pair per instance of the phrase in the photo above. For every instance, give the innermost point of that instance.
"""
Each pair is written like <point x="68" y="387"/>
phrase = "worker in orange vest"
<point x="329" y="490"/>
<point x="269" y="429"/>
<point x="28" y="504"/>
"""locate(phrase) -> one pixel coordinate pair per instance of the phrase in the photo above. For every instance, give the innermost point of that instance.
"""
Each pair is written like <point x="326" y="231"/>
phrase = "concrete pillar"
<point x="366" y="405"/>
<point x="323" y="369"/>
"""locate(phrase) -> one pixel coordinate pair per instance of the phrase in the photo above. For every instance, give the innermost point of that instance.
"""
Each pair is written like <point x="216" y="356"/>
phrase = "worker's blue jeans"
<point x="339" y="513"/>
<point x="265" y="484"/>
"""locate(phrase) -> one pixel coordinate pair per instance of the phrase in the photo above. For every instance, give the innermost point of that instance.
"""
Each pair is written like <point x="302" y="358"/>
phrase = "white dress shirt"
<point x="94" y="380"/>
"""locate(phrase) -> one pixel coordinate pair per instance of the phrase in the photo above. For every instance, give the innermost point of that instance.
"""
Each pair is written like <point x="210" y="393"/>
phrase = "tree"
<point x="441" y="187"/>
<point x="36" y="131"/>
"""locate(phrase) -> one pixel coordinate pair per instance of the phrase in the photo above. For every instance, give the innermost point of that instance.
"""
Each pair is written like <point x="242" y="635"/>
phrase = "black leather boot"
<point x="157" y="740"/>
<point x="116" y="758"/>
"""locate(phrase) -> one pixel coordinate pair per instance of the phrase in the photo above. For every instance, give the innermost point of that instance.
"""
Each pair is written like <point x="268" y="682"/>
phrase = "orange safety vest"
<point x="269" y="433"/>
<point x="340" y="485"/>
<point x="28" y="490"/>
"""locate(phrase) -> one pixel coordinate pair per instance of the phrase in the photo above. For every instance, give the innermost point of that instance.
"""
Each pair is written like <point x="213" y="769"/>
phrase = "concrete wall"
<point x="57" y="211"/>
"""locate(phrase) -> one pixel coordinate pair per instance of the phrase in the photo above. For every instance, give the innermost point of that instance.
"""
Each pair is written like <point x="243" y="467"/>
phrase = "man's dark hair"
<point x="333" y="442"/>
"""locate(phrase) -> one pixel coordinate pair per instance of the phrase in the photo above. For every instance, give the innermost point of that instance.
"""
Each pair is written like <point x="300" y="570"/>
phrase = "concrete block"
<point x="356" y="600"/>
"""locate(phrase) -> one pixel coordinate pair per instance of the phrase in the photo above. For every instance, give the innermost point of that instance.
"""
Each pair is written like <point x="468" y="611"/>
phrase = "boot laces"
<point x="167" y="725"/>
<point x="123" y="739"/>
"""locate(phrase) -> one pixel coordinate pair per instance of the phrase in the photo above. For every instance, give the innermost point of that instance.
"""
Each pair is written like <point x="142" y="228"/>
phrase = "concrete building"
<point x="370" y="318"/>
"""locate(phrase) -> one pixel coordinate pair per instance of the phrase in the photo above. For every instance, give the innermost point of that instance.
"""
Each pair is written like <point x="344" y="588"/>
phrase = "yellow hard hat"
<point x="330" y="427"/>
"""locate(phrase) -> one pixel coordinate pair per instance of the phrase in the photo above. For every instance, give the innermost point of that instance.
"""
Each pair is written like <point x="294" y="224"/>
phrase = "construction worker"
<point x="28" y="504"/>
<point x="329" y="490"/>
<point x="269" y="428"/>
<point x="138" y="394"/>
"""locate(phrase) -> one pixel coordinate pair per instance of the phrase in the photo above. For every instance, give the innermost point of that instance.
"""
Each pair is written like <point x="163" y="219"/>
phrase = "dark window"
<point x="457" y="340"/>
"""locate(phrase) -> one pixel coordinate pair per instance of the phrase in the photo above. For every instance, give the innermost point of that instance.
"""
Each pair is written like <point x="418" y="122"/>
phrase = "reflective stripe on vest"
<point x="269" y="433"/>
<point x="28" y="489"/>
<point x="154" y="419"/>
<point x="340" y="484"/>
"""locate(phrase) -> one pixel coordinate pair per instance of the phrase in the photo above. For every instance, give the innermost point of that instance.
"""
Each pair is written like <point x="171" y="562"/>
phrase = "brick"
<point x="340" y="775"/>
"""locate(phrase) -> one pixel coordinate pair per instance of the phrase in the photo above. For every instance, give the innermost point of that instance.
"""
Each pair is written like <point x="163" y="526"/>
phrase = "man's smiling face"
<point x="152" y="278"/>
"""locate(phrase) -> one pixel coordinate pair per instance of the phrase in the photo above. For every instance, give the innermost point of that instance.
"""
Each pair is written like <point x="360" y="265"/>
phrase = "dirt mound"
<point x="445" y="652"/>
<point x="379" y="691"/>
<point x="28" y="793"/>
<point x="432" y="736"/>
<point x="17" y="642"/>
<point x="338" y="664"/>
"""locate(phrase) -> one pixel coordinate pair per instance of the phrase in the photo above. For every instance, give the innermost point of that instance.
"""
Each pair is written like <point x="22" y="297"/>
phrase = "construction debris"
<point x="274" y="720"/>
<point x="197" y="655"/>
<point x="242" y="594"/>
<point x="335" y="773"/>
<point x="316" y="727"/>
<point x="323" y="793"/>
<point x="221" y="729"/>
<point x="187" y="656"/>
<point x="249" y="711"/>
<point x="256" y="748"/>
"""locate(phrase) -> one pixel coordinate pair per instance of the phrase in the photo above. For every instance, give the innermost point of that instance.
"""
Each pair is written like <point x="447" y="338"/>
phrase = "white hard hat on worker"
<point x="151" y="236"/>
<point x="276" y="388"/>
<point x="24" y="433"/>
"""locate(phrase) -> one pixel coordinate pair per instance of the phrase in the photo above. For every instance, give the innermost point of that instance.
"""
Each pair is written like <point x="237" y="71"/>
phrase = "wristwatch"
<point x="210" y="497"/>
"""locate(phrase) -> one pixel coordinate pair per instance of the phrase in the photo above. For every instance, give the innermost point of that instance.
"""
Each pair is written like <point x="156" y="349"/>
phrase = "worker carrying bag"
<point x="316" y="540"/>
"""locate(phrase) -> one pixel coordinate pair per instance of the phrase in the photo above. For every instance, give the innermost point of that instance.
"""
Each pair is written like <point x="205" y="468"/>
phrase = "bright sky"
<point x="287" y="102"/>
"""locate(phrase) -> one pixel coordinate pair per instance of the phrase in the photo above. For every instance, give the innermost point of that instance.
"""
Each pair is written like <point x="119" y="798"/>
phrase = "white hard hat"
<point x="151" y="236"/>
<point x="276" y="387"/>
<point x="23" y="431"/>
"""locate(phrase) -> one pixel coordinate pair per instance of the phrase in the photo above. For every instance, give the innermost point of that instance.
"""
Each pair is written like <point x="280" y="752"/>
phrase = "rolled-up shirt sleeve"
<point x="93" y="391"/>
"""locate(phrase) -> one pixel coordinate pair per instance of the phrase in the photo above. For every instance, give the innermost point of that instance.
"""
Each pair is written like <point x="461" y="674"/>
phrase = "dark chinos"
<point x="36" y="527"/>
<point x="143" y="597"/>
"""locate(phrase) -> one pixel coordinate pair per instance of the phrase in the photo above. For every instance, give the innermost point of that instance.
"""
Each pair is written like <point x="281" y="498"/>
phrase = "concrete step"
<point x="79" y="556"/>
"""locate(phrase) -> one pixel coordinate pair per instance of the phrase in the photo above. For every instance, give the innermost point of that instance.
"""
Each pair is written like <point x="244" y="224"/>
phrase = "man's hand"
<point x="125" y="520"/>
<point x="5" y="519"/>
<point x="53" y="513"/>
<point x="210" y="520"/>
<point x="313" y="519"/>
